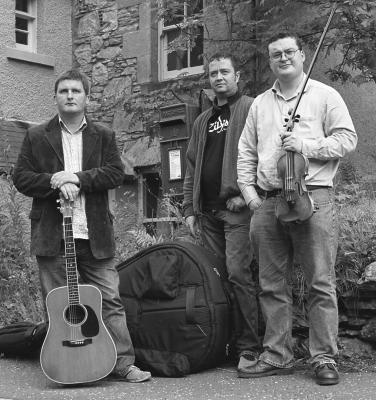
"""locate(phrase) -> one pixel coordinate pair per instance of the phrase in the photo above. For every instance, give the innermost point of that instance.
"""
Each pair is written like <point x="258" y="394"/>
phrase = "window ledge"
<point x="181" y="74"/>
<point x="30" y="57"/>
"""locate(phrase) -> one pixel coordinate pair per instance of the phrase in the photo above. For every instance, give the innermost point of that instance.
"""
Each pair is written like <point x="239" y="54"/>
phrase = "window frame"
<point x="31" y="18"/>
<point x="164" y="74"/>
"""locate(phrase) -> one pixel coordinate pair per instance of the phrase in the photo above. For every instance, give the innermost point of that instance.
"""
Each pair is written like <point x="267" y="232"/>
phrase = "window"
<point x="174" y="30"/>
<point x="25" y="25"/>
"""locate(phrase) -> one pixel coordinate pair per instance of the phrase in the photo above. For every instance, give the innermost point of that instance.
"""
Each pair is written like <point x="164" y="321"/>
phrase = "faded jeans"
<point x="313" y="244"/>
<point x="226" y="234"/>
<point x="103" y="275"/>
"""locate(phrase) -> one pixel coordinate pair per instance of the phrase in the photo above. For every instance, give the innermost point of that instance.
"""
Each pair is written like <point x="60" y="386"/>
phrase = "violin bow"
<point x="290" y="123"/>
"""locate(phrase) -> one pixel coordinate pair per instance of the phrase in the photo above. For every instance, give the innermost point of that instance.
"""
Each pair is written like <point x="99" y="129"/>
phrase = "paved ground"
<point x="24" y="380"/>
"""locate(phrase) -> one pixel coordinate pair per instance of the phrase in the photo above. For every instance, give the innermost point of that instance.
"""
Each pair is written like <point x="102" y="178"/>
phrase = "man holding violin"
<point x="272" y="147"/>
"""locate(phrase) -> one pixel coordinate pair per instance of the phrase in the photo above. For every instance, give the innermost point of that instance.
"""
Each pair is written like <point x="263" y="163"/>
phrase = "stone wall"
<point x="102" y="31"/>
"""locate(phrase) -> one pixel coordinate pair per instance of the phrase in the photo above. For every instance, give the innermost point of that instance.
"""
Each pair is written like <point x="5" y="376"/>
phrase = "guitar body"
<point x="78" y="347"/>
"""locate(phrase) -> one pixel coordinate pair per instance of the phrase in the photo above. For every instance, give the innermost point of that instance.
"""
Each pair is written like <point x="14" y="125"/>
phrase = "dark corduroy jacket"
<point x="41" y="156"/>
<point x="195" y="154"/>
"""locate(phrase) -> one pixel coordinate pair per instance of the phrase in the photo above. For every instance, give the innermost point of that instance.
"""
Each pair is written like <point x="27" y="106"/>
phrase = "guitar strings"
<point x="72" y="279"/>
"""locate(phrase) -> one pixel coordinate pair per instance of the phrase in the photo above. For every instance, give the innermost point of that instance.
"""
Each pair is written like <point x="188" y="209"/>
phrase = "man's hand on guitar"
<point x="291" y="142"/>
<point x="60" y="178"/>
<point x="69" y="191"/>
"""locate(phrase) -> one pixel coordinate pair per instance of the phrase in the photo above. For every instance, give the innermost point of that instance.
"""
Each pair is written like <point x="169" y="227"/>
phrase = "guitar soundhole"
<point x="75" y="314"/>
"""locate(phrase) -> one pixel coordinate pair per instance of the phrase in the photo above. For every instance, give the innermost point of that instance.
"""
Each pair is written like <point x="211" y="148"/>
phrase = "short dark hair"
<point x="286" y="34"/>
<point x="225" y="54"/>
<point x="74" y="75"/>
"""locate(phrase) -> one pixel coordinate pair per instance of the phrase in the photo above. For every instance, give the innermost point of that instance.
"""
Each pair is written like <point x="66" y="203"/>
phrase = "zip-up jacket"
<point x="195" y="155"/>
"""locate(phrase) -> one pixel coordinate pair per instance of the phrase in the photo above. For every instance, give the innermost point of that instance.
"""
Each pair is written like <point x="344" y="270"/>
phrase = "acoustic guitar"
<point x="78" y="347"/>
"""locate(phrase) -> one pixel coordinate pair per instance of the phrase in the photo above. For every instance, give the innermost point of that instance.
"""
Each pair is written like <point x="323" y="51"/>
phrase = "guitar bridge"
<point x="77" y="343"/>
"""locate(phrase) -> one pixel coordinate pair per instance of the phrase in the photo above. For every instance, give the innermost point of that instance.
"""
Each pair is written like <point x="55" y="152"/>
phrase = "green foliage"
<point x="20" y="298"/>
<point x="357" y="235"/>
<point x="129" y="236"/>
<point x="132" y="235"/>
<point x="246" y="25"/>
<point x="352" y="36"/>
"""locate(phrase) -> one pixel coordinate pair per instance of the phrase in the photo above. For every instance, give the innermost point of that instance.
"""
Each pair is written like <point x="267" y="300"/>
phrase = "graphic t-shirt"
<point x="213" y="157"/>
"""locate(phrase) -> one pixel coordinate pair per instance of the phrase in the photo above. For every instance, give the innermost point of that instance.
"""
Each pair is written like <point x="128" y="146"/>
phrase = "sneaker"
<point x="133" y="374"/>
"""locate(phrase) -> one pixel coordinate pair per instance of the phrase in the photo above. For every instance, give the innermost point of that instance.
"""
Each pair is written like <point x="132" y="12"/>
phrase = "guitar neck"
<point x="70" y="262"/>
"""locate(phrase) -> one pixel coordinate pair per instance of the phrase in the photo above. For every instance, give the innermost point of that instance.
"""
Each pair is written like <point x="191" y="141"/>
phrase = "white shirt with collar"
<point x="72" y="149"/>
<point x="325" y="127"/>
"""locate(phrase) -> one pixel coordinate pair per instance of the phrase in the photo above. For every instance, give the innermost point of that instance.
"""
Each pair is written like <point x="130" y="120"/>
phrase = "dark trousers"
<point x="226" y="234"/>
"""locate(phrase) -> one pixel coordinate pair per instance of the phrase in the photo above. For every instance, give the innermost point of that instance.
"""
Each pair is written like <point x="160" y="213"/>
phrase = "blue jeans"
<point x="103" y="275"/>
<point x="313" y="244"/>
<point x="226" y="234"/>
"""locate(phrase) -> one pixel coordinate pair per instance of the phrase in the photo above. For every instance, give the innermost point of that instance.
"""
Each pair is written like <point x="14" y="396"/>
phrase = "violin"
<point x="295" y="202"/>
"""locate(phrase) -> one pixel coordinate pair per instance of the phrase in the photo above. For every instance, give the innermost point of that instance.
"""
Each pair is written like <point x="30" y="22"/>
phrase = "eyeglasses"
<point x="288" y="53"/>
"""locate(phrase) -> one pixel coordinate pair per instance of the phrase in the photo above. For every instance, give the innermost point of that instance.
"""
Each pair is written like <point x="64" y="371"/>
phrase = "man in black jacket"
<point x="73" y="156"/>
<point x="212" y="199"/>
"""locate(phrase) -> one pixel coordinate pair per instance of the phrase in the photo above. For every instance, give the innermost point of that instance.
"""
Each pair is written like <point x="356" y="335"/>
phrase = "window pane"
<point x="194" y="7"/>
<point x="21" y="38"/>
<point x="21" y="24"/>
<point x="174" y="12"/>
<point x="21" y="5"/>
<point x="197" y="51"/>
<point x="177" y="59"/>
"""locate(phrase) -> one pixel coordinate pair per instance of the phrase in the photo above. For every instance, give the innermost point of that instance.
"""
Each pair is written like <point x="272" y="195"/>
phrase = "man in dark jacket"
<point x="72" y="156"/>
<point x="213" y="203"/>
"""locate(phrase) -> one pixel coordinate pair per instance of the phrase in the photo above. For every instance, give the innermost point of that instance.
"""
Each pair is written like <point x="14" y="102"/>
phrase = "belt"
<point x="315" y="187"/>
<point x="268" y="193"/>
<point x="275" y="192"/>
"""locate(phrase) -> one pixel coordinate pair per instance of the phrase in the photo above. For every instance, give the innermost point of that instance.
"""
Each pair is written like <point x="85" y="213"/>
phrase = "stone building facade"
<point x="117" y="43"/>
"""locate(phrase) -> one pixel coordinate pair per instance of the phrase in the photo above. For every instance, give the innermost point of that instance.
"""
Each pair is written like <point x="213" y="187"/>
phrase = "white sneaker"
<point x="134" y="375"/>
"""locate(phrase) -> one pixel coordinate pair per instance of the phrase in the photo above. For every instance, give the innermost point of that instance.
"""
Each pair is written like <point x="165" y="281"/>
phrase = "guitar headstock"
<point x="66" y="206"/>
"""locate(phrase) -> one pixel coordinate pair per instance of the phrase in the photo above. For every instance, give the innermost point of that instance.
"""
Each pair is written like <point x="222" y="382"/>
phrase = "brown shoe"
<point x="326" y="374"/>
<point x="247" y="359"/>
<point x="261" y="368"/>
